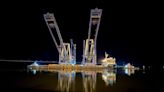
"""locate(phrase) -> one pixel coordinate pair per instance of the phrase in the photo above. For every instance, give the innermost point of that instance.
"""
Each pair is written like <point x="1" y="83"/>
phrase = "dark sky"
<point x="129" y="31"/>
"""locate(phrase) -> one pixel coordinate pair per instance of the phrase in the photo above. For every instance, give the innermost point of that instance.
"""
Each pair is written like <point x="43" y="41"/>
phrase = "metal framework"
<point x="89" y="45"/>
<point x="66" y="51"/>
<point x="73" y="52"/>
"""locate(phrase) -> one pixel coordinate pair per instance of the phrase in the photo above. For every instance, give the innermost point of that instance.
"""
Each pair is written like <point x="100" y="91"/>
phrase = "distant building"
<point x="129" y="66"/>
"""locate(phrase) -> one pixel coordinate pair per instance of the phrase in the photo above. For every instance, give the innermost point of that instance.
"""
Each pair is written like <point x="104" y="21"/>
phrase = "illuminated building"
<point x="108" y="61"/>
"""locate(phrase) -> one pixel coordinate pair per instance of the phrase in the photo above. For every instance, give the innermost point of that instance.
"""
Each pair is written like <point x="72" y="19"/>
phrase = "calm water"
<point x="107" y="81"/>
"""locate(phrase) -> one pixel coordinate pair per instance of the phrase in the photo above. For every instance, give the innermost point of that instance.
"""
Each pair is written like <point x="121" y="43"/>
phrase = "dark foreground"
<point x="28" y="81"/>
<point x="24" y="80"/>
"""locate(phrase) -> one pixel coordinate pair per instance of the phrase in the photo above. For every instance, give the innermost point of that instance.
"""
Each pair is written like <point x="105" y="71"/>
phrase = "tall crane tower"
<point x="89" y="45"/>
<point x="66" y="50"/>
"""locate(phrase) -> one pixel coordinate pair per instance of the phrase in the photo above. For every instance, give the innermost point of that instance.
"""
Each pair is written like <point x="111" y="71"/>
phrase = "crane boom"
<point x="67" y="53"/>
<point x="51" y="23"/>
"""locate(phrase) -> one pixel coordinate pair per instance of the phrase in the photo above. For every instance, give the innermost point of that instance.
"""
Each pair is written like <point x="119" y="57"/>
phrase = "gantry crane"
<point x="66" y="52"/>
<point x="89" y="45"/>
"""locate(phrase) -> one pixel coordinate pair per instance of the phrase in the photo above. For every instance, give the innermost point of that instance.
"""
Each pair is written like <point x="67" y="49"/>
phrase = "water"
<point x="69" y="81"/>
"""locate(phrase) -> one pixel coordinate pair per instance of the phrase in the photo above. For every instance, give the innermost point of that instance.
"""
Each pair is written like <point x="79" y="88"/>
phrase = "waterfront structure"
<point x="89" y="45"/>
<point x="67" y="51"/>
<point x="108" y="61"/>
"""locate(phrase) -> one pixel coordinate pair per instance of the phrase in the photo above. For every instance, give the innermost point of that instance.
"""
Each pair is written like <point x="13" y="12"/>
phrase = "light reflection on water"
<point x="34" y="72"/>
<point x="67" y="79"/>
<point x="129" y="71"/>
<point x="109" y="77"/>
<point x="89" y="81"/>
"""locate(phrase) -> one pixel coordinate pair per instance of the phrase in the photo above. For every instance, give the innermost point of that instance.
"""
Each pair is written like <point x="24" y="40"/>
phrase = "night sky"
<point x="129" y="31"/>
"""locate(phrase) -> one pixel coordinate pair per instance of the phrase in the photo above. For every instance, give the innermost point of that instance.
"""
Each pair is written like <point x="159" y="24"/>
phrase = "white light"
<point x="104" y="77"/>
<point x="126" y="71"/>
<point x="126" y="66"/>
<point x="35" y="64"/>
<point x="34" y="72"/>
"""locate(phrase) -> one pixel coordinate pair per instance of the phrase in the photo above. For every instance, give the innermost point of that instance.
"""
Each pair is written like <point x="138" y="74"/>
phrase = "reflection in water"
<point x="89" y="81"/>
<point x="109" y="77"/>
<point x="34" y="72"/>
<point x="129" y="71"/>
<point x="66" y="81"/>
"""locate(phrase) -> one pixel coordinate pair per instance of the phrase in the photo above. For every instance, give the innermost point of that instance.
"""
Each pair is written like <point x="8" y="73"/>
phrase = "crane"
<point x="89" y="45"/>
<point x="64" y="49"/>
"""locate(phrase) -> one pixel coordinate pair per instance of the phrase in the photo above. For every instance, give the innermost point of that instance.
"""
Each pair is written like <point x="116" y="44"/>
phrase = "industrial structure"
<point x="67" y="51"/>
<point x="89" y="45"/>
